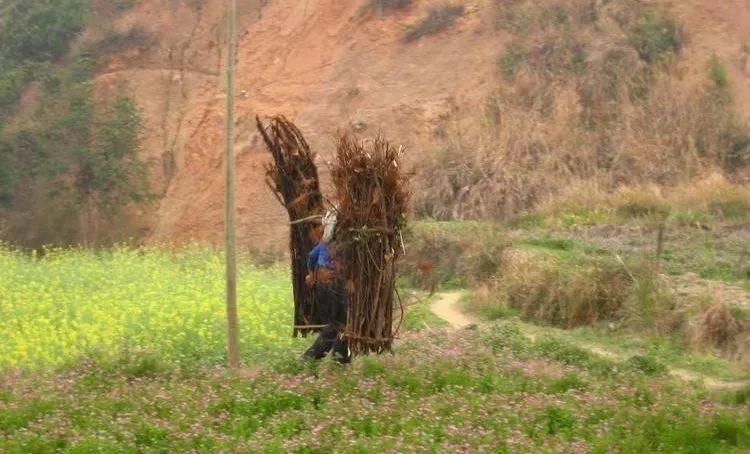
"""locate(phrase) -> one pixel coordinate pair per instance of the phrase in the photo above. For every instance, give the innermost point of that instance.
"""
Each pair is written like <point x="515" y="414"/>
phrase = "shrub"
<point x="655" y="36"/>
<point x="383" y="6"/>
<point x="647" y="365"/>
<point x="41" y="30"/>
<point x="738" y="151"/>
<point x="578" y="290"/>
<point x="506" y="334"/>
<point x="563" y="293"/>
<point x="113" y="41"/>
<point x="124" y="5"/>
<point x="488" y="302"/>
<point x="611" y="118"/>
<point x="717" y="328"/>
<point x="567" y="383"/>
<point x="511" y="60"/>
<point x="437" y="20"/>
<point x="714" y="195"/>
<point x="640" y="203"/>
<point x="452" y="253"/>
<point x="718" y="72"/>
<point x="12" y="82"/>
<point x="740" y="396"/>
<point x="558" y="420"/>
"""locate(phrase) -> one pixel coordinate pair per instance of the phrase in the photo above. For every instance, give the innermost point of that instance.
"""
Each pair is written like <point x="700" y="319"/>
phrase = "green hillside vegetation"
<point x="66" y="161"/>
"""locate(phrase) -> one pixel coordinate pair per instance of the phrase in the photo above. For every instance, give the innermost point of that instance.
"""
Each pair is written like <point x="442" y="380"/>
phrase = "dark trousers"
<point x="331" y="300"/>
<point x="329" y="339"/>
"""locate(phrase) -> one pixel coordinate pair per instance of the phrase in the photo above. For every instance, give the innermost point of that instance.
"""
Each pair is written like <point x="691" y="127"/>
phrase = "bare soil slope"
<point x="327" y="66"/>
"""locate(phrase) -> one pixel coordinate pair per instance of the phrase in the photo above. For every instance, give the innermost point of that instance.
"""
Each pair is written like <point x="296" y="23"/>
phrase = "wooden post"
<point x="659" y="246"/>
<point x="231" y="251"/>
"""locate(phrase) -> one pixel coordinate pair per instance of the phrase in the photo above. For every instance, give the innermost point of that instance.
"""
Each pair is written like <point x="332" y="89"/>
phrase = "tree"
<point x="109" y="173"/>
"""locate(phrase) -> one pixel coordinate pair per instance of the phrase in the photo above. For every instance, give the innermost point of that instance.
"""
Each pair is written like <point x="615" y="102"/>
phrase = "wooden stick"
<point x="309" y="218"/>
<point x="659" y="246"/>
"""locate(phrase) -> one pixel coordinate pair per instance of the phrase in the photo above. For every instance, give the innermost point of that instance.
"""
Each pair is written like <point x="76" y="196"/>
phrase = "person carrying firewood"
<point x="324" y="275"/>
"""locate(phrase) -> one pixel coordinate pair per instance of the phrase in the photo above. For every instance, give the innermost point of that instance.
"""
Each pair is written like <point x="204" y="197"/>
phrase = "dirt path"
<point x="447" y="307"/>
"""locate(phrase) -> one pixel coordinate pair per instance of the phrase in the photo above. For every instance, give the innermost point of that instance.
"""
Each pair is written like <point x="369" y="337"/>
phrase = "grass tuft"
<point x="718" y="71"/>
<point x="438" y="19"/>
<point x="655" y="36"/>
<point x="647" y="365"/>
<point x="385" y="6"/>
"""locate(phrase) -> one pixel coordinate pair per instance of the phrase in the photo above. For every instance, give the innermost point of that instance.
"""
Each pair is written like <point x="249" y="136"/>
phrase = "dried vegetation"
<point x="587" y="91"/>
<point x="372" y="196"/>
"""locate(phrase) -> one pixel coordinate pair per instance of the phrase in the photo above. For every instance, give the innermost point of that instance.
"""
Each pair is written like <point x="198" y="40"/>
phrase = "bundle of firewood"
<point x="293" y="178"/>
<point x="372" y="196"/>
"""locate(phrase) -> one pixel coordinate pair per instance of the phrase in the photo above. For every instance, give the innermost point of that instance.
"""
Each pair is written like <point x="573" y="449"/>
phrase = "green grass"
<point x="489" y="389"/>
<point x="152" y="321"/>
<point x="418" y="315"/>
<point x="716" y="254"/>
<point x="647" y="353"/>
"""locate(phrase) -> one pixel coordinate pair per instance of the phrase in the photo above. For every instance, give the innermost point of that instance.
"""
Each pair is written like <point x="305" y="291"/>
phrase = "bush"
<point x="383" y="6"/>
<point x="564" y="294"/>
<point x="32" y="33"/>
<point x="641" y="203"/>
<point x="511" y="60"/>
<point x="647" y="365"/>
<point x="717" y="328"/>
<point x="12" y="82"/>
<point x="124" y="5"/>
<point x="718" y="72"/>
<point x="566" y="114"/>
<point x="714" y="195"/>
<point x="655" y="36"/>
<point x="113" y="41"/>
<point x="41" y="30"/>
<point x="738" y="151"/>
<point x="453" y="254"/>
<point x="437" y="20"/>
<point x="578" y="290"/>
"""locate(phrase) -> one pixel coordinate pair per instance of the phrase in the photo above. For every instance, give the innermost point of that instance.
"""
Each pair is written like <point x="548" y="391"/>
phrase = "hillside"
<point x="328" y="66"/>
<point x="505" y="106"/>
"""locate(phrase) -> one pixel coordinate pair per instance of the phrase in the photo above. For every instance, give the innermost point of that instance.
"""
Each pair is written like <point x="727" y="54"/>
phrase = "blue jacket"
<point x="320" y="256"/>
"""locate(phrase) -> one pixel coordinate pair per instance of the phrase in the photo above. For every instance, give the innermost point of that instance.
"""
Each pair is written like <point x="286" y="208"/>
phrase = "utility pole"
<point x="233" y="331"/>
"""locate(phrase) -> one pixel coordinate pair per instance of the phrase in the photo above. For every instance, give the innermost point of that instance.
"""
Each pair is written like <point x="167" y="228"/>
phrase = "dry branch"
<point x="371" y="190"/>
<point x="293" y="178"/>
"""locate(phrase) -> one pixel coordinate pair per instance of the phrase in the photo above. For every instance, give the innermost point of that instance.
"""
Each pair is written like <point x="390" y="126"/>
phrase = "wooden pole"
<point x="659" y="246"/>
<point x="231" y="251"/>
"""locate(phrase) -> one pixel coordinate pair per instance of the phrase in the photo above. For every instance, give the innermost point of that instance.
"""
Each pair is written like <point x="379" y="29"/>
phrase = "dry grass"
<point x="580" y="291"/>
<point x="640" y="202"/>
<point x="467" y="254"/>
<point x="713" y="194"/>
<point x="718" y="329"/>
<point x="711" y="197"/>
<point x="592" y="92"/>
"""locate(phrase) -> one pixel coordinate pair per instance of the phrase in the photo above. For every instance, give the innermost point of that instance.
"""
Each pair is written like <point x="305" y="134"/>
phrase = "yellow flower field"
<point x="70" y="305"/>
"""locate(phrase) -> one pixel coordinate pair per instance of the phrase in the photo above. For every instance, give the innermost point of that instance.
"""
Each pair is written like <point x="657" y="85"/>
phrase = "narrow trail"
<point x="446" y="306"/>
